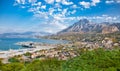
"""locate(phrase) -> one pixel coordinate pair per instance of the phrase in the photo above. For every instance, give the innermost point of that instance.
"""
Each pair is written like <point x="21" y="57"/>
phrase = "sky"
<point x="54" y="15"/>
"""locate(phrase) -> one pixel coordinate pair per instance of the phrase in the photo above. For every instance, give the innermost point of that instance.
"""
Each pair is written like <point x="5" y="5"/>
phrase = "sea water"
<point x="9" y="43"/>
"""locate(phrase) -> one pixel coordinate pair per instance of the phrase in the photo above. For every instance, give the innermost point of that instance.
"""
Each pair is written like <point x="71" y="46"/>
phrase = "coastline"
<point x="10" y="43"/>
<point x="11" y="53"/>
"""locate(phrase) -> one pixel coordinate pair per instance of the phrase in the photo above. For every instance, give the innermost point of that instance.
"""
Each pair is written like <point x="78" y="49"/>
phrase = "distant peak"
<point x="86" y="26"/>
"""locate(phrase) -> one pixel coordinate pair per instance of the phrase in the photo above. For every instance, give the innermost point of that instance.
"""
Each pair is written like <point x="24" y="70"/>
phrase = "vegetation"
<point x="44" y="65"/>
<point x="13" y="59"/>
<point x="96" y="60"/>
<point x="12" y="67"/>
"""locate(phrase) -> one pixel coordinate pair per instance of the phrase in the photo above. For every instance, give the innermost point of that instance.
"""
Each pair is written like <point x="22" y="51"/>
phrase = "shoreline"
<point x="11" y="43"/>
<point x="11" y="53"/>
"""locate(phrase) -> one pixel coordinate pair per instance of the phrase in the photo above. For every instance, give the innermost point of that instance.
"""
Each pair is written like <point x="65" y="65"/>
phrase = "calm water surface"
<point x="9" y="43"/>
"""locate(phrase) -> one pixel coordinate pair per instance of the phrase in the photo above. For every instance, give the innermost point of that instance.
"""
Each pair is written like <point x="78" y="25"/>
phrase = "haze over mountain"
<point x="24" y="35"/>
<point x="85" y="26"/>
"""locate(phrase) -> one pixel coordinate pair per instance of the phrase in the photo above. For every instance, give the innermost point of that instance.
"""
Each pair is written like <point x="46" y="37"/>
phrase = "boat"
<point x="27" y="46"/>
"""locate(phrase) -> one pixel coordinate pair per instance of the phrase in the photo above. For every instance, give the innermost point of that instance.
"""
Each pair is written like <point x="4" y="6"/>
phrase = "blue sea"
<point x="9" y="43"/>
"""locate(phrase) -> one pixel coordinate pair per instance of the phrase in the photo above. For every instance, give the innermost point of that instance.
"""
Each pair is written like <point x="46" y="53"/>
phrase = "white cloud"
<point x="94" y="2"/>
<point x="52" y="25"/>
<point x="109" y="2"/>
<point x="39" y="3"/>
<point x="58" y="24"/>
<point x="25" y="1"/>
<point x="65" y="2"/>
<point x="49" y="1"/>
<point x="54" y="18"/>
<point x="73" y="12"/>
<point x="43" y="7"/>
<point x="57" y="5"/>
<point x="32" y="1"/>
<point x="58" y="0"/>
<point x="64" y="12"/>
<point x="89" y="4"/>
<point x="74" y="6"/>
<point x="104" y="18"/>
<point x="85" y="4"/>
<point x="59" y="9"/>
<point x="118" y="1"/>
<point x="18" y="1"/>
<point x="51" y="11"/>
<point x="41" y="15"/>
<point x="112" y="1"/>
<point x="22" y="1"/>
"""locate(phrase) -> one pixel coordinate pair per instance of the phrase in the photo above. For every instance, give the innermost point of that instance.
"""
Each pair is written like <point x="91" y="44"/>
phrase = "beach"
<point x="11" y="53"/>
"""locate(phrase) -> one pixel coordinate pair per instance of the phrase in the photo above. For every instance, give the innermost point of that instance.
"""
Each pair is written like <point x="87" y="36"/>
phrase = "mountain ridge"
<point x="85" y="26"/>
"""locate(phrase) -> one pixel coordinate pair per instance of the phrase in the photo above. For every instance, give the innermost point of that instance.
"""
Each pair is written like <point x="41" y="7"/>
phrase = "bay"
<point x="9" y="43"/>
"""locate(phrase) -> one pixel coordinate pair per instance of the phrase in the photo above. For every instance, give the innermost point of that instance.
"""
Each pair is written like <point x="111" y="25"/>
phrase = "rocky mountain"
<point x="24" y="35"/>
<point x="85" y="26"/>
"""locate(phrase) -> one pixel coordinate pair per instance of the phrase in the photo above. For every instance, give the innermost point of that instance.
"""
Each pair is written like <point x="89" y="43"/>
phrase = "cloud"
<point x="75" y="6"/>
<point x="73" y="12"/>
<point x="109" y="2"/>
<point x="57" y="5"/>
<point x="112" y="1"/>
<point x="43" y="7"/>
<point x="49" y="1"/>
<point x="21" y="1"/>
<point x="18" y="1"/>
<point x="64" y="11"/>
<point x="58" y="0"/>
<point x="85" y="4"/>
<point x="52" y="25"/>
<point x="58" y="24"/>
<point x="25" y="1"/>
<point x="51" y="11"/>
<point x="39" y="3"/>
<point x="94" y="2"/>
<point x="104" y="18"/>
<point x="32" y="1"/>
<point x="65" y="2"/>
<point x="89" y="4"/>
<point x="118" y="1"/>
<point x="55" y="15"/>
<point x="59" y="9"/>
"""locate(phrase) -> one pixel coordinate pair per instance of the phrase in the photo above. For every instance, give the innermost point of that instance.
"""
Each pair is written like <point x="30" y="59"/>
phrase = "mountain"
<point x="85" y="26"/>
<point x="25" y="34"/>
